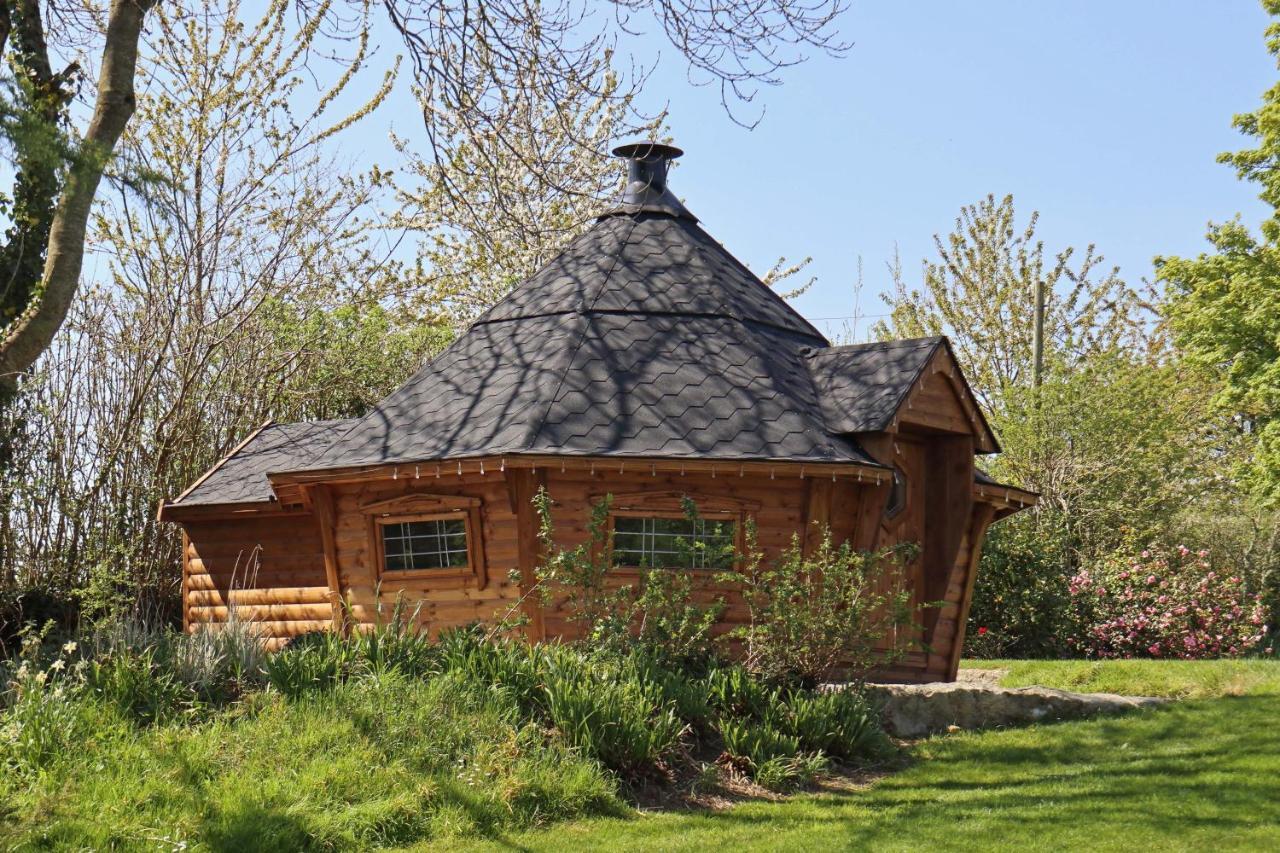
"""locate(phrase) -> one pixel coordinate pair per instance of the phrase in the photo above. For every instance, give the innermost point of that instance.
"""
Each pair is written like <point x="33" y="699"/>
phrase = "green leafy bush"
<point x="735" y="692"/>
<point x="311" y="662"/>
<point x="133" y="683"/>
<point x="756" y="742"/>
<point x="1021" y="601"/>
<point x="495" y="665"/>
<point x="813" y="617"/>
<point x="657" y="615"/>
<point x="688" y="695"/>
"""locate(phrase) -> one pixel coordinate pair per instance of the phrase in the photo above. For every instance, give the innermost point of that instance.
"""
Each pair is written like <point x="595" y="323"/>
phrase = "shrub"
<point x="658" y="615"/>
<point x="579" y="578"/>
<point x="311" y="662"/>
<point x="151" y="672"/>
<point x="495" y="665"/>
<point x="735" y="692"/>
<point x="133" y="683"/>
<point x="818" y="615"/>
<point x="689" y="696"/>
<point x="668" y="623"/>
<point x="1164" y="602"/>
<point x="1021" y="603"/>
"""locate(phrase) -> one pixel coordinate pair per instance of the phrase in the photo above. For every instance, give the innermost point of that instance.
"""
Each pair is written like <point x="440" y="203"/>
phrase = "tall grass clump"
<point x="608" y="712"/>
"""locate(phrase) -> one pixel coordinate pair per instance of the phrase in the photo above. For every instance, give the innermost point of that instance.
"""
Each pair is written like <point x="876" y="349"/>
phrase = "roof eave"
<point x="456" y="466"/>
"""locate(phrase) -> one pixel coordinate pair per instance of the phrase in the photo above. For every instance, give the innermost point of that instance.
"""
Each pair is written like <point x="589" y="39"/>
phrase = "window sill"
<point x="426" y="574"/>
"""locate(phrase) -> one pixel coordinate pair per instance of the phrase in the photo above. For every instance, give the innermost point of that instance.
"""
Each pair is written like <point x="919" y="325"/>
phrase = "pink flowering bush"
<point x="1164" y="603"/>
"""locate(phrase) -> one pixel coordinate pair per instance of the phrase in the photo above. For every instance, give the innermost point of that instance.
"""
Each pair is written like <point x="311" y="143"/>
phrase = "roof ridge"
<point x="706" y="237"/>
<point x="551" y="400"/>
<point x="929" y="340"/>
<point x="623" y="312"/>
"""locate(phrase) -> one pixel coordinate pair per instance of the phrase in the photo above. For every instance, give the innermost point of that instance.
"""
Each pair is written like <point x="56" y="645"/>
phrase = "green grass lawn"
<point x="384" y="762"/>
<point x="1201" y="774"/>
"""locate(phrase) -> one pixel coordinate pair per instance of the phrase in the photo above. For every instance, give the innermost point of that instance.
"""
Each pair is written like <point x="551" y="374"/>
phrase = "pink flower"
<point x="1154" y="649"/>
<point x="1151" y="579"/>
<point x="1146" y="555"/>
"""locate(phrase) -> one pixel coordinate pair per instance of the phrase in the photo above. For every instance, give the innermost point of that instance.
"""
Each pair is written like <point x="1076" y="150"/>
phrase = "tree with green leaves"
<point x="1224" y="306"/>
<point x="980" y="292"/>
<point x="1118" y="438"/>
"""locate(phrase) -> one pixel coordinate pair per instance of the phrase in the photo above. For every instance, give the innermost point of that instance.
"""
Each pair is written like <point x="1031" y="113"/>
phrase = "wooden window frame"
<point x="892" y="510"/>
<point x="420" y="507"/>
<point x="667" y="504"/>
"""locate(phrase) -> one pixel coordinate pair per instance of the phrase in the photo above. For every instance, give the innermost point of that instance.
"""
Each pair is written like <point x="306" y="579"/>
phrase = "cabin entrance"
<point x="904" y="521"/>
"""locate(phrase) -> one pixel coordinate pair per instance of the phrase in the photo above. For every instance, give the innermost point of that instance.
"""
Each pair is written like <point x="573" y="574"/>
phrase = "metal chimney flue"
<point x="646" y="191"/>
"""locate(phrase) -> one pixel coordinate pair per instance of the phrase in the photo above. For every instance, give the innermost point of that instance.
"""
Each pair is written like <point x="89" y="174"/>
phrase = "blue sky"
<point x="1104" y="116"/>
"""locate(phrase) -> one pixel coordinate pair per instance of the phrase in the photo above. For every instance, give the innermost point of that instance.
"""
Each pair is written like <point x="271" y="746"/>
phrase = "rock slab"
<point x="916" y="710"/>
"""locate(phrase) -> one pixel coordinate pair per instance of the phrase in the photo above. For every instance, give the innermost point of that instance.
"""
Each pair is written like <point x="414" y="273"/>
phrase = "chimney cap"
<point x="647" y="151"/>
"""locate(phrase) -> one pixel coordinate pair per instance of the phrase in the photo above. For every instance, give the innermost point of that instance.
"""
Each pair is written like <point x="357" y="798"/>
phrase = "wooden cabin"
<point x="647" y="363"/>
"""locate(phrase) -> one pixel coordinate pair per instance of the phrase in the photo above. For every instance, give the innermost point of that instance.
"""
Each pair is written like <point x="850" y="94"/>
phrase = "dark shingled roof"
<point x="242" y="476"/>
<point x="643" y="338"/>
<point x="861" y="386"/>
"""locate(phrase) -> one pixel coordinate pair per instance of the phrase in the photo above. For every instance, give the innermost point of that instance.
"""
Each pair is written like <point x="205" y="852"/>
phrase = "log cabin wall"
<point x="271" y="567"/>
<point x="780" y="507"/>
<point x="440" y="602"/>
<point x="267" y="569"/>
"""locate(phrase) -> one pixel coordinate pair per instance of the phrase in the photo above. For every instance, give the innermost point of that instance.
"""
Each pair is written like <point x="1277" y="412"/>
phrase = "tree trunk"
<point x="32" y="331"/>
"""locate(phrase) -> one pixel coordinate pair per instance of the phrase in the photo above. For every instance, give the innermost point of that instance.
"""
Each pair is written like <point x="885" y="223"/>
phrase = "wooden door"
<point x="904" y="520"/>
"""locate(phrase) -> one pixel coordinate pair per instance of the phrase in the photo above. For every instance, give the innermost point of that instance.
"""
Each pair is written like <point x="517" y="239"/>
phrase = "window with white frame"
<point x="424" y="544"/>
<point x="657" y="542"/>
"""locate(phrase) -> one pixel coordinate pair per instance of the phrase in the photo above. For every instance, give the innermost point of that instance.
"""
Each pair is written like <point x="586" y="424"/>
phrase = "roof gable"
<point x="864" y="387"/>
<point x="861" y="386"/>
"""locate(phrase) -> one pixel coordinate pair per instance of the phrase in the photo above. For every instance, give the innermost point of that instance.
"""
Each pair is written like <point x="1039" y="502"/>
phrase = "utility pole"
<point x="1037" y="337"/>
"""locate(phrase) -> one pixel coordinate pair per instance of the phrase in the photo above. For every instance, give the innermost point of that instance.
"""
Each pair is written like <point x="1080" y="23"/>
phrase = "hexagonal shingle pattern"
<point x="643" y="338"/>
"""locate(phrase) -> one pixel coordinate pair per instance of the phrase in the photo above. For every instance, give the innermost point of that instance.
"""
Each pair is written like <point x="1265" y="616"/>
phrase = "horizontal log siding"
<point x="267" y="570"/>
<point x="270" y="568"/>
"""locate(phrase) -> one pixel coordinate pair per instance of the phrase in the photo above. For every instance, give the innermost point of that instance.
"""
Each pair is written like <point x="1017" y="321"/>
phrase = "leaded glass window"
<point x="439" y="543"/>
<point x="673" y="543"/>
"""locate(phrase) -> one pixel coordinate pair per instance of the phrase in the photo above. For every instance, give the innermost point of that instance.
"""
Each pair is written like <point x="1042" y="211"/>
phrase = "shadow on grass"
<point x="1179" y="772"/>
<point x="1196" y="775"/>
<point x="256" y="827"/>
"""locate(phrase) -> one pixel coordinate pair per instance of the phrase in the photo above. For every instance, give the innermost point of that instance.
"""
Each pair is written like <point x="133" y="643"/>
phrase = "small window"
<point x="673" y="543"/>
<point x="424" y="544"/>
<point x="897" y="500"/>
